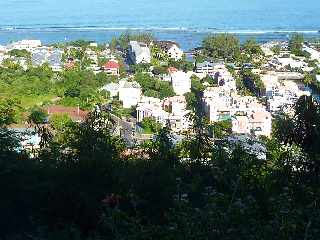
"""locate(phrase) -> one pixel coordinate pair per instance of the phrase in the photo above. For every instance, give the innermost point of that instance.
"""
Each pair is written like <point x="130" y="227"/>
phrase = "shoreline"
<point x="188" y="38"/>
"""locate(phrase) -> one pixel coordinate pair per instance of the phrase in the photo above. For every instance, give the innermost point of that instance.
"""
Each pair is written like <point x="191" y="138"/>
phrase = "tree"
<point x="303" y="129"/>
<point x="20" y="53"/>
<point x="8" y="111"/>
<point x="221" y="129"/>
<point x="150" y="125"/>
<point x="222" y="46"/>
<point x="114" y="43"/>
<point x="251" y="51"/>
<point x="198" y="145"/>
<point x="37" y="116"/>
<point x="276" y="49"/>
<point x="252" y="82"/>
<point x="296" y="44"/>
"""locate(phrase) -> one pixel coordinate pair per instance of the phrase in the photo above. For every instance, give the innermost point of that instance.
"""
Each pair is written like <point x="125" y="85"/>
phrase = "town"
<point x="146" y="84"/>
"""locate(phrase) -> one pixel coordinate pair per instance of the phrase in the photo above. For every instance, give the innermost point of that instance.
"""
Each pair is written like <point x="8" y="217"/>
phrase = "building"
<point x="112" y="67"/>
<point x="181" y="82"/>
<point x="218" y="102"/>
<point x="261" y="123"/>
<point x="240" y="124"/>
<point x="130" y="94"/>
<point x="170" y="111"/>
<point x="47" y="55"/>
<point x="178" y="118"/>
<point x="150" y="107"/>
<point x="257" y="123"/>
<point x="112" y="88"/>
<point x="24" y="45"/>
<point x="205" y="68"/>
<point x="172" y="49"/>
<point x="93" y="44"/>
<point x="139" y="52"/>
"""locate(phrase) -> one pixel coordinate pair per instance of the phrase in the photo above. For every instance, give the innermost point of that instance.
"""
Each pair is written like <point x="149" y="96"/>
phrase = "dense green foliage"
<point x="310" y="79"/>
<point x="251" y="82"/>
<point x="296" y="45"/>
<point x="153" y="87"/>
<point x="84" y="183"/>
<point x="221" y="129"/>
<point x="222" y="46"/>
<point x="149" y="125"/>
<point x="82" y="186"/>
<point x="276" y="49"/>
<point x="20" y="53"/>
<point x="39" y="85"/>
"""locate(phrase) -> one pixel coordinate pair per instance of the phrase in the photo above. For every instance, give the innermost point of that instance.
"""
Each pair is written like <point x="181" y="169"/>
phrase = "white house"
<point x="130" y="94"/>
<point x="259" y="123"/>
<point x="240" y="124"/>
<point x="205" y="67"/>
<point x="139" y="52"/>
<point x="218" y="102"/>
<point x="112" y="88"/>
<point x="181" y="82"/>
<point x="2" y="49"/>
<point x="172" y="49"/>
<point x="178" y="118"/>
<point x="24" y="45"/>
<point x="151" y="107"/>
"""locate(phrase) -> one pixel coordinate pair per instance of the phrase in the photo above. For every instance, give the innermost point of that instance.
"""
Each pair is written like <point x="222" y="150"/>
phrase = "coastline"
<point x="188" y="37"/>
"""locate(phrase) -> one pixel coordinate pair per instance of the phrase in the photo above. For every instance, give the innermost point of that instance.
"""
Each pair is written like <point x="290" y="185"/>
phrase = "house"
<point x="93" y="44"/>
<point x="178" y="118"/>
<point x="151" y="107"/>
<point x="261" y="123"/>
<point x="170" y="111"/>
<point x="43" y="55"/>
<point x="258" y="123"/>
<point x="112" y="88"/>
<point x="112" y="67"/>
<point x="24" y="45"/>
<point x="205" y="68"/>
<point x="2" y="49"/>
<point x="181" y="82"/>
<point x="172" y="49"/>
<point x="139" y="52"/>
<point x="240" y="124"/>
<point x="130" y="94"/>
<point x="218" y="103"/>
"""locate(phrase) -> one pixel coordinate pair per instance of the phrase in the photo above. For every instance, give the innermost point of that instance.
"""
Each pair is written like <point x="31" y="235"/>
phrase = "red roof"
<point x="73" y="112"/>
<point x="111" y="64"/>
<point x="69" y="65"/>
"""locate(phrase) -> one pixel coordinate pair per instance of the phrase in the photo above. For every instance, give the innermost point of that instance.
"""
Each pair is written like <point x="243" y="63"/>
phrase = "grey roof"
<point x="205" y="64"/>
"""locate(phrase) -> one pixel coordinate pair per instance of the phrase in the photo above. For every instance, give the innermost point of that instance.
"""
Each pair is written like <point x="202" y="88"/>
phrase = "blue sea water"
<point x="186" y="21"/>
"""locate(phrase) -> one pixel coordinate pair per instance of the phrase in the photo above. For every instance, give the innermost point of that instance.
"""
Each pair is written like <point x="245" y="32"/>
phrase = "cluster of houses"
<point x="140" y="52"/>
<point x="222" y="102"/>
<point x="59" y="59"/>
<point x="248" y="114"/>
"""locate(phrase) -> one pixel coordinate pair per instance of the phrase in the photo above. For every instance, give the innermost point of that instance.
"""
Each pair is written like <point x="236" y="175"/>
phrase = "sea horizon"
<point x="184" y="21"/>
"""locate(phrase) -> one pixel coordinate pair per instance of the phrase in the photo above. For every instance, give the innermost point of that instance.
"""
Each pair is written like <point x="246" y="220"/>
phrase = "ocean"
<point x="184" y="21"/>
